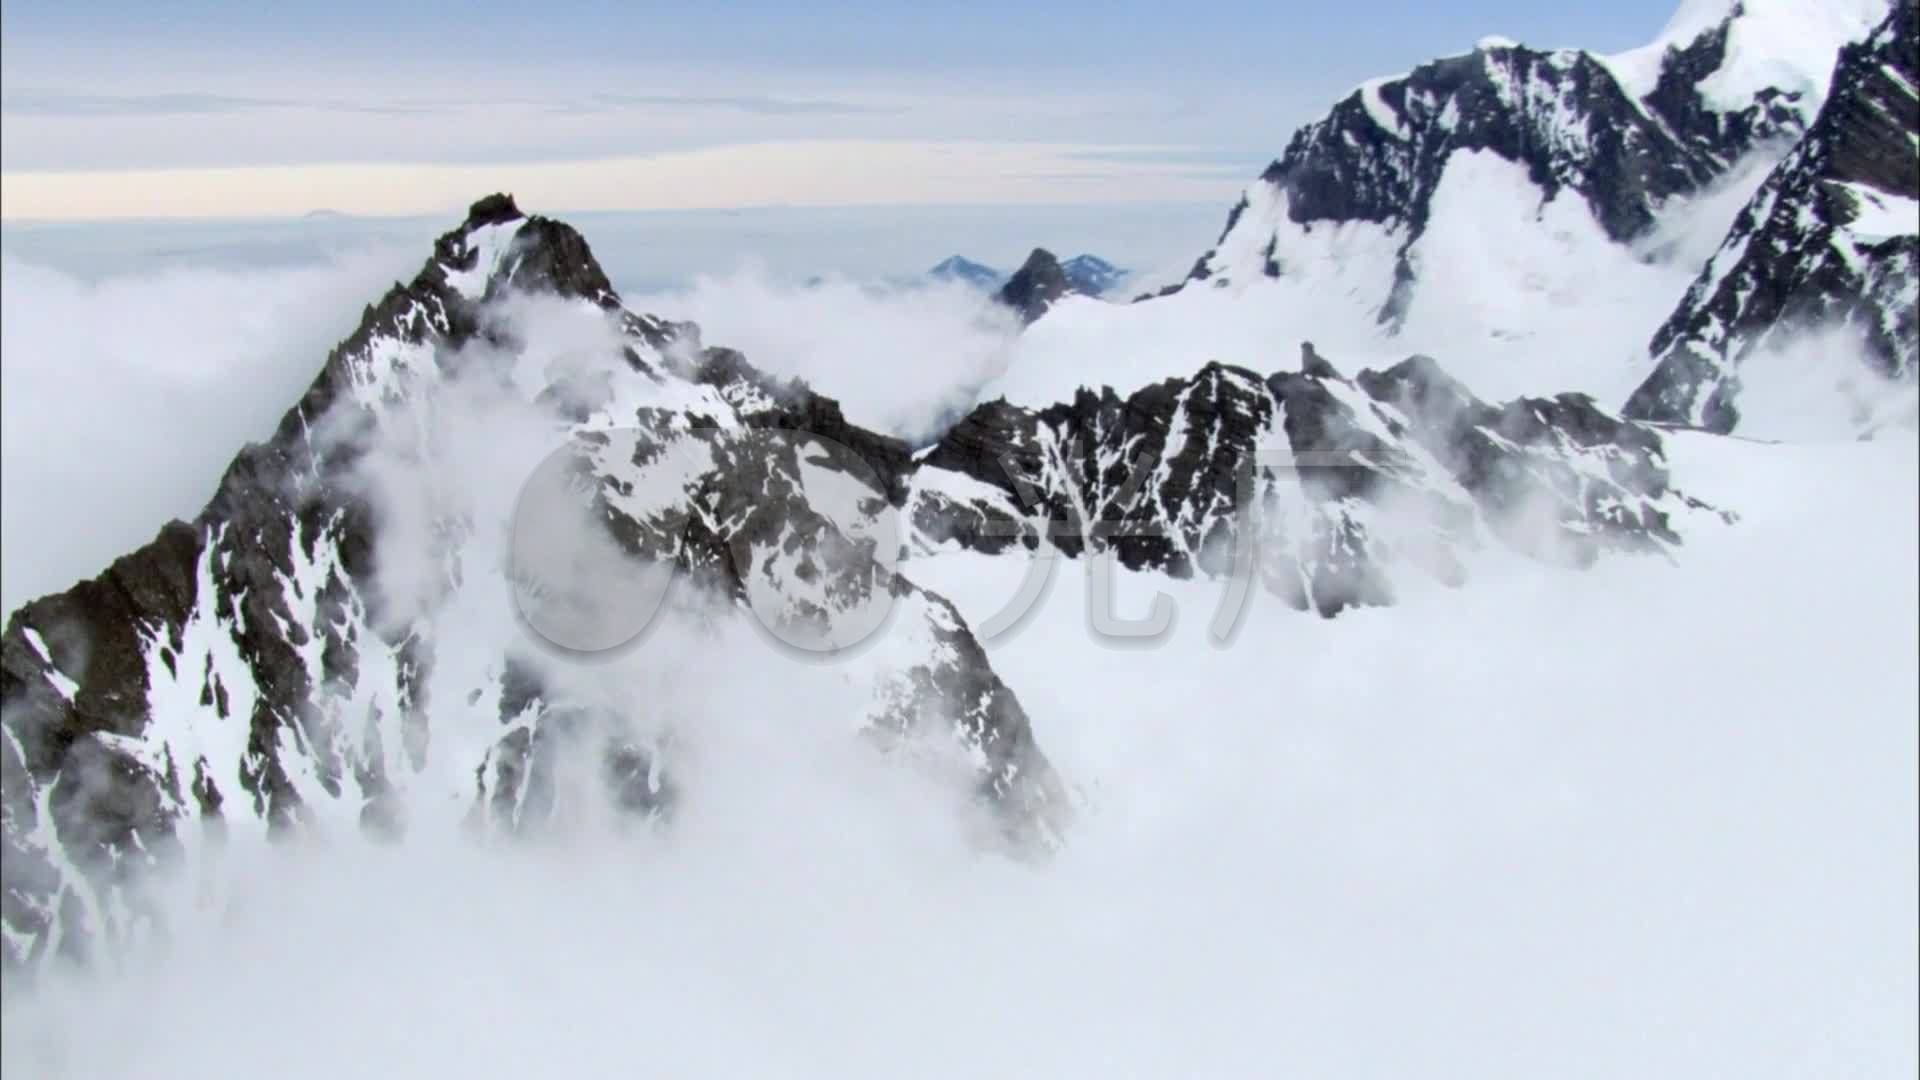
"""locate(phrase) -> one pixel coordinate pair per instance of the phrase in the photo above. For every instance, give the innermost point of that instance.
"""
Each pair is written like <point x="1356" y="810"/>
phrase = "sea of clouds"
<point x="1645" y="820"/>
<point x="1651" y="819"/>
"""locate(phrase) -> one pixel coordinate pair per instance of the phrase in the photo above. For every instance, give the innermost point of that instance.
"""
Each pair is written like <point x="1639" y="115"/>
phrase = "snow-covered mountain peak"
<point x="368" y="626"/>
<point x="1628" y="132"/>
<point x="1815" y="287"/>
<point x="1785" y="46"/>
<point x="1529" y="213"/>
<point x="1377" y="161"/>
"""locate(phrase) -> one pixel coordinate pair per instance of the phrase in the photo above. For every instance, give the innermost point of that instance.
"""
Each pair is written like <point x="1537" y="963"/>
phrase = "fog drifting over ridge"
<point x="126" y="396"/>
<point x="1553" y="823"/>
<point x="906" y="359"/>
<point x="131" y="345"/>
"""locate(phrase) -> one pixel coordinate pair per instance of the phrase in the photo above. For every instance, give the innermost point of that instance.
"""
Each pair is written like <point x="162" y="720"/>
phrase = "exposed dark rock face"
<point x="1335" y="486"/>
<point x="765" y="402"/>
<point x="1830" y="241"/>
<point x="250" y="669"/>
<point x="1036" y="286"/>
<point x="1565" y="116"/>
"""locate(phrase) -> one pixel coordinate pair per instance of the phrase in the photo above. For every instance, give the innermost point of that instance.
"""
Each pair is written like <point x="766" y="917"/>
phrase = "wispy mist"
<point x="126" y="396"/>
<point x="1560" y="824"/>
<point x="905" y="359"/>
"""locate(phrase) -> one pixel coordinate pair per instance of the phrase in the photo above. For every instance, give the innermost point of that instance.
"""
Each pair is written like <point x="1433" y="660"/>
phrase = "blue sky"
<point x="1127" y="38"/>
<point x="1125" y="99"/>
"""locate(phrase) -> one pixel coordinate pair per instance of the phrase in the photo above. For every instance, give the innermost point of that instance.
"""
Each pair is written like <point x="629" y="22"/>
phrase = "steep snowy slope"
<point x="1824" y="260"/>
<point x="1533" y="301"/>
<point x="1528" y="215"/>
<point x="1734" y="52"/>
<point x="1598" y="128"/>
<point x="333" y="643"/>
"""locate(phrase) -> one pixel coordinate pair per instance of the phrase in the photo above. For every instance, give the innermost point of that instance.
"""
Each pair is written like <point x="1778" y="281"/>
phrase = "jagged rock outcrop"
<point x="1336" y="485"/>
<point x="1830" y="242"/>
<point x="269" y="666"/>
<point x="1036" y="286"/>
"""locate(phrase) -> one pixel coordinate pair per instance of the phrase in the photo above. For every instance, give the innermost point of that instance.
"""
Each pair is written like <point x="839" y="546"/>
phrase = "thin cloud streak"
<point x="39" y="101"/>
<point x="756" y="104"/>
<point x="792" y="173"/>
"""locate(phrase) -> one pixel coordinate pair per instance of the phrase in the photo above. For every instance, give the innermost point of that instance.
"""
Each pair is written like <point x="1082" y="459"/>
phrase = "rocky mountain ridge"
<point x="257" y="669"/>
<point x="1625" y="135"/>
<point x="1830" y="242"/>
<point x="261" y="669"/>
<point x="1334" y="486"/>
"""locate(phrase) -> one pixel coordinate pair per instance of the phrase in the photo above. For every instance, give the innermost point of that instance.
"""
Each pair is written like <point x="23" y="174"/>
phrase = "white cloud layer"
<point x="1558" y="824"/>
<point x="125" y="397"/>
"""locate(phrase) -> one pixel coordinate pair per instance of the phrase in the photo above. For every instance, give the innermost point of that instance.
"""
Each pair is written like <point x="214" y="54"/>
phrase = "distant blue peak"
<point x="960" y="268"/>
<point x="1089" y="274"/>
<point x="1093" y="263"/>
